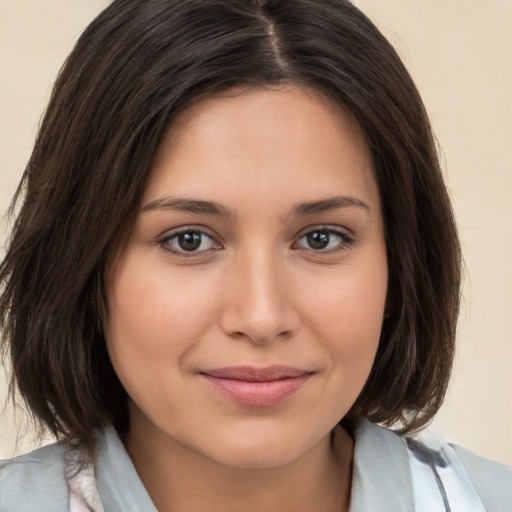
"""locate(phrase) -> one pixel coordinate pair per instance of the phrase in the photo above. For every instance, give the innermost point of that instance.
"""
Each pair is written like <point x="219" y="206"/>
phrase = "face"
<point x="246" y="309"/>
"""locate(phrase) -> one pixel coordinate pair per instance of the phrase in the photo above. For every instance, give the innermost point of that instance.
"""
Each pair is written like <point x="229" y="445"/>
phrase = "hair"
<point x="134" y="67"/>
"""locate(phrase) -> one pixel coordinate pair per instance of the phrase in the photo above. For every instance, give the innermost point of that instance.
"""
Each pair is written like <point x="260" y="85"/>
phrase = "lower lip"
<point x="257" y="394"/>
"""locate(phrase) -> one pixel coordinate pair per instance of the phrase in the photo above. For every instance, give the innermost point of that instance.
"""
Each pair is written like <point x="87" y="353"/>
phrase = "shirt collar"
<point x="381" y="480"/>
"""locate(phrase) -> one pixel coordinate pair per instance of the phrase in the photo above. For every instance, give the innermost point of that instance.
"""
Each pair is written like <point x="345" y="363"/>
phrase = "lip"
<point x="257" y="387"/>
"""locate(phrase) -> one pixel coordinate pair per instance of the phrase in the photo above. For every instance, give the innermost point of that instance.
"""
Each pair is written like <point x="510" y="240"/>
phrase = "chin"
<point x="262" y="448"/>
<point x="262" y="458"/>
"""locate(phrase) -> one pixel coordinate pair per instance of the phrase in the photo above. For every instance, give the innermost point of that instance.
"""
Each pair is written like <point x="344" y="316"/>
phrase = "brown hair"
<point x="133" y="68"/>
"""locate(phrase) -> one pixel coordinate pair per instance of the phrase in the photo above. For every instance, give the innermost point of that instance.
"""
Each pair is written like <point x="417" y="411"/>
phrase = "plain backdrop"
<point x="460" y="54"/>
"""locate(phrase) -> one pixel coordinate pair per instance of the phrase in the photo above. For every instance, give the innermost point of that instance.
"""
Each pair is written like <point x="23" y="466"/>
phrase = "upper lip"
<point x="252" y="374"/>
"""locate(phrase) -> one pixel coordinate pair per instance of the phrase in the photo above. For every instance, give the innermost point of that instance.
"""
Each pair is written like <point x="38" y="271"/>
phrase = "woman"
<point x="235" y="254"/>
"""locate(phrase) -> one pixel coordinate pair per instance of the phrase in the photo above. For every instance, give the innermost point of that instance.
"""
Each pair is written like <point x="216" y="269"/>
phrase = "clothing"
<point x="382" y="481"/>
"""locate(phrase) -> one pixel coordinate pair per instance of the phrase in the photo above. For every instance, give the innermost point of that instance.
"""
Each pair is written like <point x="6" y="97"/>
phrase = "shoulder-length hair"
<point x="134" y="67"/>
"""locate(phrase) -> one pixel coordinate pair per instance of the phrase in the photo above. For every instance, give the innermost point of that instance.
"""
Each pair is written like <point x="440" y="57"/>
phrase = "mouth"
<point x="257" y="387"/>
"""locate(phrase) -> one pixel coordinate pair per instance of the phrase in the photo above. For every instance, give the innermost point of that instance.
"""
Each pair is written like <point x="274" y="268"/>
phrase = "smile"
<point x="257" y="387"/>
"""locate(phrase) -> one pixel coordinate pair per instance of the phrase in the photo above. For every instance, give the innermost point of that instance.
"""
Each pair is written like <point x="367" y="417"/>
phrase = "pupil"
<point x="189" y="241"/>
<point x="318" y="240"/>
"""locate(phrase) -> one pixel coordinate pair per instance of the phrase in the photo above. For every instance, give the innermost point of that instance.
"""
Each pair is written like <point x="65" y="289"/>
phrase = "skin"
<point x="255" y="292"/>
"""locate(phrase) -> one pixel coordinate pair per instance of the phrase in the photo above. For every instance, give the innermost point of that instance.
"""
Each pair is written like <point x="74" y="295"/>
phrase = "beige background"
<point x="460" y="53"/>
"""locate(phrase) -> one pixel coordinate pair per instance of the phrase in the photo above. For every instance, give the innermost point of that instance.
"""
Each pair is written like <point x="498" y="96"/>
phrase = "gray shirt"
<point x="381" y="477"/>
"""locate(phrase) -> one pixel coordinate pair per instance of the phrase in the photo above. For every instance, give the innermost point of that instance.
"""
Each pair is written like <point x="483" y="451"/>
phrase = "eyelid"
<point x="170" y="234"/>
<point x="185" y="229"/>
<point x="347" y="238"/>
<point x="345" y="232"/>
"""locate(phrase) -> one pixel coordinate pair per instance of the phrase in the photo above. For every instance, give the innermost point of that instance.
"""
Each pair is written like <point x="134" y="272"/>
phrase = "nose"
<point x="257" y="299"/>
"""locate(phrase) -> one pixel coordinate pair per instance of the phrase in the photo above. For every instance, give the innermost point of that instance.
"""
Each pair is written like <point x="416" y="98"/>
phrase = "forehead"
<point x="254" y="139"/>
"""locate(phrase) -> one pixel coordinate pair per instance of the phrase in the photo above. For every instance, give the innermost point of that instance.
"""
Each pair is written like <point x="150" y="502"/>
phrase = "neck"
<point x="180" y="480"/>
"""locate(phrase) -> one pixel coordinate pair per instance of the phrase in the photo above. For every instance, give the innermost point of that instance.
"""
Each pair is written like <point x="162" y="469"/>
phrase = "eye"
<point x="324" y="240"/>
<point x="188" y="242"/>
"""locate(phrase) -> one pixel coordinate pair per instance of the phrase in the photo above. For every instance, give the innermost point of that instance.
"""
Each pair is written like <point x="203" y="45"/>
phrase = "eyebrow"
<point x="213" y="208"/>
<point x="330" y="203"/>
<point x="188" y="205"/>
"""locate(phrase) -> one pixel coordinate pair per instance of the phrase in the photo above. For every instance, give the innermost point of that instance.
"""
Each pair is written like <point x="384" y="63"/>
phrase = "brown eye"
<point x="318" y="239"/>
<point x="188" y="242"/>
<point x="324" y="240"/>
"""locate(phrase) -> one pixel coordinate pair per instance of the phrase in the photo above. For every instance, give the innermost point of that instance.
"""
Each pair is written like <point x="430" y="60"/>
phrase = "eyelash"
<point x="345" y="240"/>
<point x="165" y="240"/>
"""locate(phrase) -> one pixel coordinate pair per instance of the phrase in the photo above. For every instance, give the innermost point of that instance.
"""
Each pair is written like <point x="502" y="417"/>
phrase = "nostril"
<point x="256" y="306"/>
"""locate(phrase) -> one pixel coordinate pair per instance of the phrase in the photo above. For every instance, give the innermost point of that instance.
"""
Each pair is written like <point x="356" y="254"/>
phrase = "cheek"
<point x="155" y="319"/>
<point x="351" y="301"/>
<point x="347" y="314"/>
<point x="148" y="300"/>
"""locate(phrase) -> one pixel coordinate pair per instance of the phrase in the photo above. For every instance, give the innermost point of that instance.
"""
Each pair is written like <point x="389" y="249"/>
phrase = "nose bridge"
<point x="258" y="305"/>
